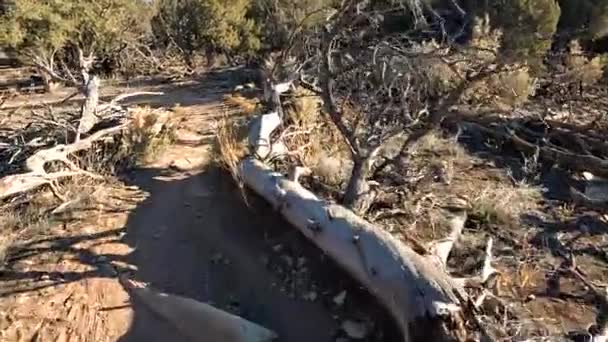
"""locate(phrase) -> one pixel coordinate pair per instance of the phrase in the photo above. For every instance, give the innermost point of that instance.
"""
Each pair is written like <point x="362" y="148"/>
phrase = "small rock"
<point x="217" y="258"/>
<point x="354" y="329"/>
<point x="102" y="259"/>
<point x="340" y="298"/>
<point x="277" y="248"/>
<point x="301" y="262"/>
<point x="310" y="296"/>
<point x="45" y="277"/>
<point x="288" y="260"/>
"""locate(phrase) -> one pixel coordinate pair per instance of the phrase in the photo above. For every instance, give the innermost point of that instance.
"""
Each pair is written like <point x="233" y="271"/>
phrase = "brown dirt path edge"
<point x="178" y="230"/>
<point x="192" y="215"/>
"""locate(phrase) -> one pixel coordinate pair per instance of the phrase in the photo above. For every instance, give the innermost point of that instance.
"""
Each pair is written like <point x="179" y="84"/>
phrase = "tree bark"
<point x="211" y="57"/>
<point x="358" y="195"/>
<point x="47" y="80"/>
<point x="89" y="117"/>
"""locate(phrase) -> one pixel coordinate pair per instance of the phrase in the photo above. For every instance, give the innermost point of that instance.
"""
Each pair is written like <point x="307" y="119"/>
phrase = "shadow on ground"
<point x="195" y="237"/>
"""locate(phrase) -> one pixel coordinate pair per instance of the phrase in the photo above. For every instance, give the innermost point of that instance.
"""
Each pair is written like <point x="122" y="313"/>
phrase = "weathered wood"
<point x="259" y="136"/>
<point x="36" y="175"/>
<point x="88" y="117"/>
<point x="415" y="289"/>
<point x="197" y="320"/>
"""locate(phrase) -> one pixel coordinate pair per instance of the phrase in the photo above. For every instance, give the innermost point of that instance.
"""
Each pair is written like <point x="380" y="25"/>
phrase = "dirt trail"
<point x="195" y="237"/>
<point x="188" y="232"/>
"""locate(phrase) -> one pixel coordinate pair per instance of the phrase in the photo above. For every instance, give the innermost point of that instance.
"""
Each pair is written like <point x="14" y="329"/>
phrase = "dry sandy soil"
<point x="180" y="225"/>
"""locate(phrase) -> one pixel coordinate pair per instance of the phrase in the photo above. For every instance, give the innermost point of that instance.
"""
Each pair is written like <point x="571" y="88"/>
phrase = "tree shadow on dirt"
<point x="18" y="280"/>
<point x="196" y="237"/>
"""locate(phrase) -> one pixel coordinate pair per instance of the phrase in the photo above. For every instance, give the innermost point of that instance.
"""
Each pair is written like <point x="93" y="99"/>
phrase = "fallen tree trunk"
<point x="416" y="289"/>
<point x="197" y="320"/>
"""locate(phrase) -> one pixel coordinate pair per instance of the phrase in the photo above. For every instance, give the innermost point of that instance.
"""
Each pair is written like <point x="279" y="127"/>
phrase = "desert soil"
<point x="180" y="225"/>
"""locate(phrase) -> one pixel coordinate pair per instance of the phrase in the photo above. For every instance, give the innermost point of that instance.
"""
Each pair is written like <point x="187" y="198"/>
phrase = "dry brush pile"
<point x="416" y="165"/>
<point x="51" y="164"/>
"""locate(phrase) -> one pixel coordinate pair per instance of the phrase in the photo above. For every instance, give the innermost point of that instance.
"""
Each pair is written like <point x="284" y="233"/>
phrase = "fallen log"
<point x="416" y="289"/>
<point x="197" y="320"/>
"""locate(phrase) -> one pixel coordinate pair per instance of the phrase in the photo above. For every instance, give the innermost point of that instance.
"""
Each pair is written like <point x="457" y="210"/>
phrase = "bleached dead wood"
<point x="416" y="290"/>
<point x="88" y="114"/>
<point x="36" y="175"/>
<point x="564" y="158"/>
<point x="198" y="321"/>
<point x="114" y="104"/>
<point x="259" y="136"/>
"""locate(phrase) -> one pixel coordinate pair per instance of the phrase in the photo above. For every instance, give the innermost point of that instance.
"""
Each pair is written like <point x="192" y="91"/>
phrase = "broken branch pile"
<point x="574" y="148"/>
<point x="50" y="161"/>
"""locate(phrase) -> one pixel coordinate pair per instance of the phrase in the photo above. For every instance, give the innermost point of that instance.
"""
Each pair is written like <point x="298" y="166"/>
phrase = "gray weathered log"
<point x="200" y="321"/>
<point x="415" y="289"/>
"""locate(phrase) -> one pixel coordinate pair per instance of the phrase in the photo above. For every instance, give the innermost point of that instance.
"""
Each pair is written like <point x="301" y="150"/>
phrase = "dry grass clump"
<point x="316" y="142"/>
<point x="502" y="90"/>
<point x="230" y="146"/>
<point x="247" y="106"/>
<point x="438" y="171"/>
<point x="579" y="68"/>
<point x="499" y="202"/>
<point x="511" y="88"/>
<point x="149" y="133"/>
<point x="303" y="109"/>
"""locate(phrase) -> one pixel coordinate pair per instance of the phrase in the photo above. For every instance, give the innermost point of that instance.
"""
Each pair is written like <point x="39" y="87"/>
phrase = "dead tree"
<point x="425" y="301"/>
<point x="380" y="99"/>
